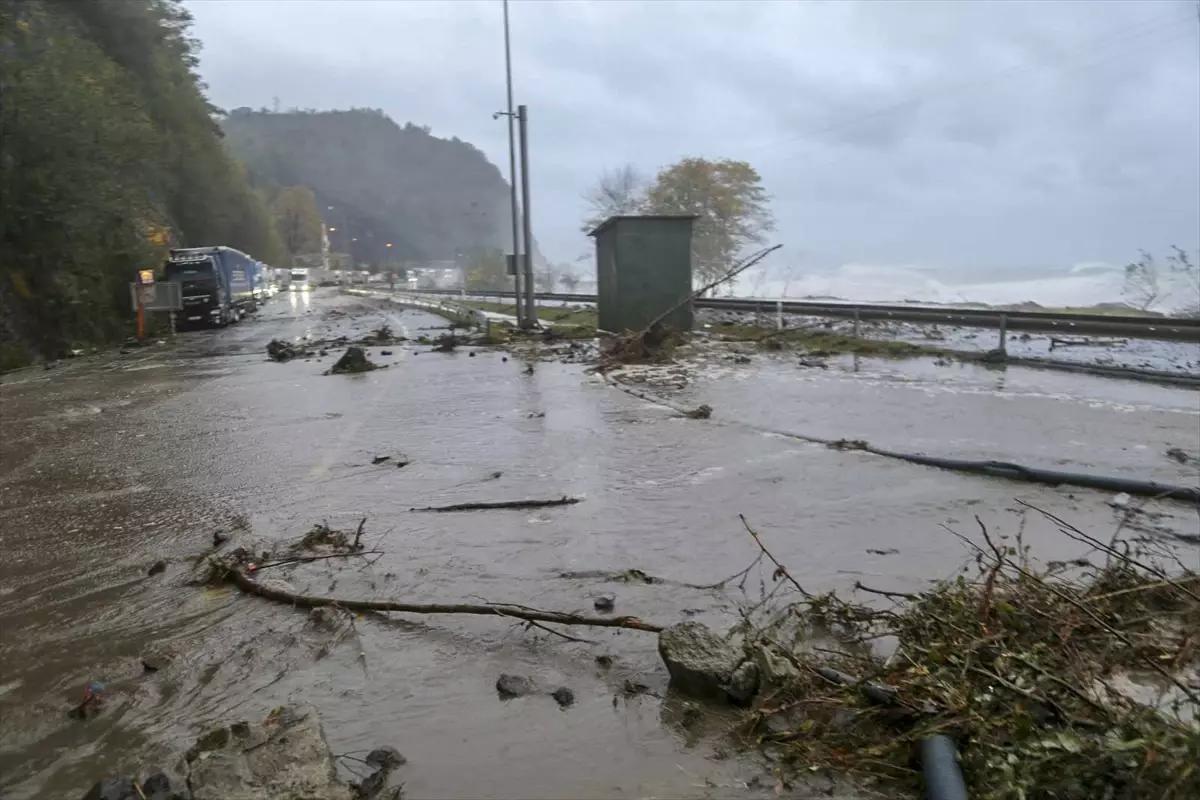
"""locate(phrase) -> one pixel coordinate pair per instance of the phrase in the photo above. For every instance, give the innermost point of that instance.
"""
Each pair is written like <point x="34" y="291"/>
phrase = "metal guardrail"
<point x="1158" y="328"/>
<point x="453" y="311"/>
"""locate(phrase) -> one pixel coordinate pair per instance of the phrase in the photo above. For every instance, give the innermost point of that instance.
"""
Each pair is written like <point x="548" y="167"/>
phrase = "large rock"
<point x="283" y="758"/>
<point x="701" y="663"/>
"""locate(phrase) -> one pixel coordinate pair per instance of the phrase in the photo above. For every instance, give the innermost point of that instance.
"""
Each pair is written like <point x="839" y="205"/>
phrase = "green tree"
<point x="732" y="207"/>
<point x="109" y="152"/>
<point x="297" y="219"/>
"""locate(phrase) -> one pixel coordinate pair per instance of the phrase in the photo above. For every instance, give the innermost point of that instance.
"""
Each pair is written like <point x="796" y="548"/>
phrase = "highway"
<point x="1067" y="324"/>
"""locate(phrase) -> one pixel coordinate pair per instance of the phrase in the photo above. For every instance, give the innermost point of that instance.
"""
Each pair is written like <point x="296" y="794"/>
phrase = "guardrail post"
<point x="779" y="315"/>
<point x="1003" y="333"/>
<point x="857" y="318"/>
<point x="758" y="315"/>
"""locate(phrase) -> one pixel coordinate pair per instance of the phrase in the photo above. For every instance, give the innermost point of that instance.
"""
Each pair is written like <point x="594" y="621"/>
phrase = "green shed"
<point x="643" y="268"/>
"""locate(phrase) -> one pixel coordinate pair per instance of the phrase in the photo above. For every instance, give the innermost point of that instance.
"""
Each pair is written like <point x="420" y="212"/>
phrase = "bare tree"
<point x="619" y="192"/>
<point x="1187" y="272"/>
<point x="1141" y="282"/>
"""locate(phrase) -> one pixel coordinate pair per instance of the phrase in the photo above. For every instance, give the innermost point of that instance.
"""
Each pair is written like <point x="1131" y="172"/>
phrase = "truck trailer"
<point x="218" y="284"/>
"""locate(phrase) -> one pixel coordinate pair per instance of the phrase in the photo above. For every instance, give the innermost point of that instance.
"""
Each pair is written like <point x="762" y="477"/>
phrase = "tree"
<point x="1187" y="273"/>
<point x="570" y="281"/>
<point x="486" y="268"/>
<point x="297" y="219"/>
<point x="1141" y="282"/>
<point x="545" y="279"/>
<point x="619" y="192"/>
<point x="730" y="202"/>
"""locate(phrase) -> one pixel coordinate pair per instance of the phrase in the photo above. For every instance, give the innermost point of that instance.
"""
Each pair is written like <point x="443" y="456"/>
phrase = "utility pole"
<point x="530" y="305"/>
<point x="512" y="172"/>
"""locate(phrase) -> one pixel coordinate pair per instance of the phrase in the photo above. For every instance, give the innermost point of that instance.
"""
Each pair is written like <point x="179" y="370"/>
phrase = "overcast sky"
<point x="996" y="138"/>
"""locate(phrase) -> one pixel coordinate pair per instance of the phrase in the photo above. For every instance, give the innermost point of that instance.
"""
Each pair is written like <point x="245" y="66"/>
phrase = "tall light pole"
<point x="512" y="172"/>
<point x="527" y="225"/>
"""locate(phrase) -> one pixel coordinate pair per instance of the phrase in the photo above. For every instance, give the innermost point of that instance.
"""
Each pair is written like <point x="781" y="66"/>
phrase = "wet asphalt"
<point x="113" y="463"/>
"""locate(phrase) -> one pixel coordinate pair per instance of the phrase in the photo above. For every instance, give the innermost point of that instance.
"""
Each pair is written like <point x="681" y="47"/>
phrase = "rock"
<point x="113" y="789"/>
<point x="385" y="757"/>
<point x="279" y="350"/>
<point x="353" y="360"/>
<point x="563" y="696"/>
<point x="220" y="538"/>
<point x="385" y="352"/>
<point x="997" y="356"/>
<point x="157" y="568"/>
<point x="510" y="686"/>
<point x="605" y="602"/>
<point x="700" y="662"/>
<point x="743" y="683"/>
<point x="471" y="354"/>
<point x="402" y="462"/>
<point x="604" y="661"/>
<point x="380" y="459"/>
<point x="157" y="657"/>
<point x="328" y="617"/>
<point x="774" y="669"/>
<point x="283" y="758"/>
<point x="159" y="787"/>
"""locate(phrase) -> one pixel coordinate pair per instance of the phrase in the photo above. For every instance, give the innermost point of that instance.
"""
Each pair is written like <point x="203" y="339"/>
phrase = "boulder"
<point x="563" y="696"/>
<point x="604" y="602"/>
<point x="353" y="360"/>
<point x="283" y="758"/>
<point x="743" y="683"/>
<point x="700" y="662"/>
<point x="514" y="685"/>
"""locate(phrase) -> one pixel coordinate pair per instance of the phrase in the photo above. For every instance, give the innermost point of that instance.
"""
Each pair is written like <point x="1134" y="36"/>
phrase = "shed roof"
<point x="614" y="220"/>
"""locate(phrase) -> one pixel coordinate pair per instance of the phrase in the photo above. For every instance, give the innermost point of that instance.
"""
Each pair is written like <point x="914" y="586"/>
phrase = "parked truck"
<point x="218" y="284"/>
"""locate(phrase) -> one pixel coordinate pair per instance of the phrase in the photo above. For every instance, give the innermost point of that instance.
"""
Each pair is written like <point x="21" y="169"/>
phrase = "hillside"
<point x="432" y="198"/>
<point x="108" y="155"/>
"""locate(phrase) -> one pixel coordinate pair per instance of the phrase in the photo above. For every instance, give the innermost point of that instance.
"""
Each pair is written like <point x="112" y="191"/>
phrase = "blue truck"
<point x="219" y="285"/>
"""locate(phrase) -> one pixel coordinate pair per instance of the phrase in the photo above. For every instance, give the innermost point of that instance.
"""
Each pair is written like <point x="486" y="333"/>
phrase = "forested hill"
<point x="430" y="197"/>
<point x="109" y="154"/>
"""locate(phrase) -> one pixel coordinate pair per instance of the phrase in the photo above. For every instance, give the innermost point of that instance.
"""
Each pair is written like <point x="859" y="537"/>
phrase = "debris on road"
<point x="510" y="686"/>
<point x="1179" y="455"/>
<point x="605" y="602"/>
<point x="1041" y="673"/>
<point x="563" y="696"/>
<point x="279" y="350"/>
<point x="505" y="504"/>
<point x="352" y="361"/>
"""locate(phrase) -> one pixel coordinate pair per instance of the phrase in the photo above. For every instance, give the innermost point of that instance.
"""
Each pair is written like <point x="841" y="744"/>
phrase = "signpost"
<point x="148" y="295"/>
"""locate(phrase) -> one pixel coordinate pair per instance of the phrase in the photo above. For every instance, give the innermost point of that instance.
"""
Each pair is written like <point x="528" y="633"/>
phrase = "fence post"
<point x="857" y="318"/>
<point x="779" y="315"/>
<point x="1003" y="333"/>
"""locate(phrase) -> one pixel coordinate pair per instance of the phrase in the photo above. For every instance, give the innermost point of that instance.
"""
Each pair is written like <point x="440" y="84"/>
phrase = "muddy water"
<point x="108" y="466"/>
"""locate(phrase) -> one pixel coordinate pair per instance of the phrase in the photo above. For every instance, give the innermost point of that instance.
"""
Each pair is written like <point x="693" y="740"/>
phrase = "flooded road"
<point x="111" y="465"/>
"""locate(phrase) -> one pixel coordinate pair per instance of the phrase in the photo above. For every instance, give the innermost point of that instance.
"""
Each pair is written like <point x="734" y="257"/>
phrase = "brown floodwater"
<point x="111" y="464"/>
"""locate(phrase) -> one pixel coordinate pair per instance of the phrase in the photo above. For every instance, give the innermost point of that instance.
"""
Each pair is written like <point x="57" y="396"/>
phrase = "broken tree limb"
<point x="250" y="586"/>
<point x="504" y="504"/>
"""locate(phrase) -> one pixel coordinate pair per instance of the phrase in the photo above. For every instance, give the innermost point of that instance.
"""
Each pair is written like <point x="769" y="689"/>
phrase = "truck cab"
<point x="298" y="280"/>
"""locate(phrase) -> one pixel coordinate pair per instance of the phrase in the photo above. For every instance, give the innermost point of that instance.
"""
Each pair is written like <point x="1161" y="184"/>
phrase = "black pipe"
<point x="1002" y="469"/>
<point x="939" y="767"/>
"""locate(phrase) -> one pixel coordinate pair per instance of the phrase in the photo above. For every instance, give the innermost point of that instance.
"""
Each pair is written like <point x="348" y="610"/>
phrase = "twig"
<point x="306" y="559"/>
<point x="743" y="574"/>
<point x="539" y="625"/>
<point x="250" y="586"/>
<point x="504" y="504"/>
<point x="1069" y="530"/>
<point x="358" y="534"/>
<point x="882" y="593"/>
<point x="780" y="569"/>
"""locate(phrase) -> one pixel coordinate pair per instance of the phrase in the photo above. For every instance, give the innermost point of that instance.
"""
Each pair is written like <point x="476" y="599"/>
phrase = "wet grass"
<point x="827" y="343"/>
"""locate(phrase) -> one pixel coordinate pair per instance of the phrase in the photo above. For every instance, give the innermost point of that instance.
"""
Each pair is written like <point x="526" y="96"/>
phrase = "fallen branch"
<point x="283" y="562"/>
<point x="250" y="586"/>
<point x="780" y="569"/>
<point x="504" y="504"/>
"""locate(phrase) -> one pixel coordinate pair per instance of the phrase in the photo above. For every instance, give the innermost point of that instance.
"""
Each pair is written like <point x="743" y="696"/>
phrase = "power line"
<point x="1122" y="37"/>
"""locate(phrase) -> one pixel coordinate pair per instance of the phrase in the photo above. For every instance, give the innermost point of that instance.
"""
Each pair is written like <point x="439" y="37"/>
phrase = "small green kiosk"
<point x="643" y="268"/>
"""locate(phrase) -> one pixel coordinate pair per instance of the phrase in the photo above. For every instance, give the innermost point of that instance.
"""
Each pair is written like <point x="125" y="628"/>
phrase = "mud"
<point x="113" y="463"/>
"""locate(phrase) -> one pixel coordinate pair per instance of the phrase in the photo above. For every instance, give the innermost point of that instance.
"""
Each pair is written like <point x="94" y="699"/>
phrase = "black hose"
<point x="939" y="766"/>
<point x="994" y="469"/>
<point x="1002" y="469"/>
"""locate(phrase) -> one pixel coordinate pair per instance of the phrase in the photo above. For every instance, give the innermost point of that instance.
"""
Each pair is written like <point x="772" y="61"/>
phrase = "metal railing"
<point x="1067" y="324"/>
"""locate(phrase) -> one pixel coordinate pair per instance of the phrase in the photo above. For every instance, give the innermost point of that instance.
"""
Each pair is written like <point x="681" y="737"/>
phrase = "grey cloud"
<point x="986" y="135"/>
